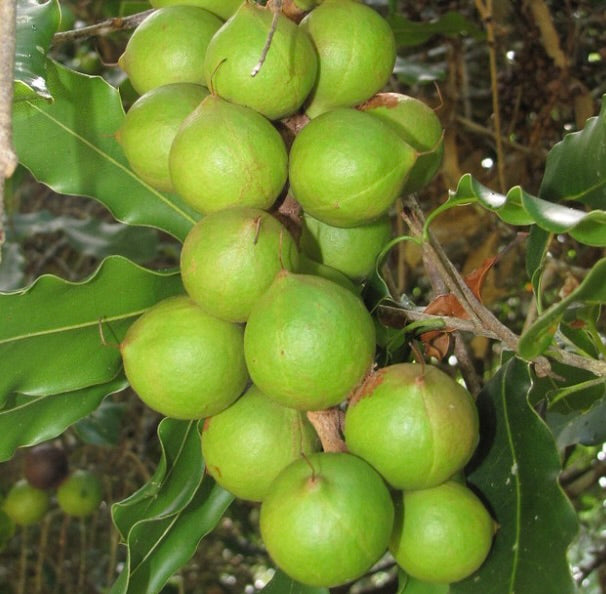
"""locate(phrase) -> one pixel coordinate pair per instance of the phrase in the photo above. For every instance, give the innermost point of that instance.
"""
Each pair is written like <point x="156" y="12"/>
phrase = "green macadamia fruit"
<point x="442" y="534"/>
<point x="169" y="47"/>
<point x="24" y="504"/>
<point x="80" y="494"/>
<point x="327" y="519"/>
<point x="280" y="85"/>
<point x="357" y="53"/>
<point x="183" y="362"/>
<point x="247" y="445"/>
<point x="150" y="126"/>
<point x="222" y="8"/>
<point x="347" y="167"/>
<point x="227" y="155"/>
<point x="309" y="266"/>
<point x="419" y="126"/>
<point x="353" y="250"/>
<point x="308" y="342"/>
<point x="414" y="424"/>
<point x="231" y="257"/>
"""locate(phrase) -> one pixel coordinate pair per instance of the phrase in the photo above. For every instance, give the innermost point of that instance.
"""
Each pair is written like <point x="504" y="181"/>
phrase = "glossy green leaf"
<point x="50" y="340"/>
<point x="164" y="521"/>
<point x="282" y="584"/>
<point x="521" y="208"/>
<point x="36" y="25"/>
<point x="516" y="470"/>
<point x="103" y="426"/>
<point x="70" y="146"/>
<point x="576" y="166"/>
<point x="177" y="477"/>
<point x="538" y="337"/>
<point x="587" y="428"/>
<point x="536" y="250"/>
<point x="32" y="420"/>
<point x="409" y="33"/>
<point x="90" y="237"/>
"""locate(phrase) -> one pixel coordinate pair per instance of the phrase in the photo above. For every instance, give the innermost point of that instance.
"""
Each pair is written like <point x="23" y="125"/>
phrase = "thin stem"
<point x="102" y="28"/>
<point x="8" y="157"/>
<point x="276" y="8"/>
<point x="23" y="561"/>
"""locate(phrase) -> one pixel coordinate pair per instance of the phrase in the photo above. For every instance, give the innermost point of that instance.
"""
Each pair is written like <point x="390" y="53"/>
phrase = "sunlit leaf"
<point x="36" y="25"/>
<point x="539" y="336"/>
<point x="80" y="155"/>
<point x="516" y="470"/>
<point x="576" y="166"/>
<point x="50" y="339"/>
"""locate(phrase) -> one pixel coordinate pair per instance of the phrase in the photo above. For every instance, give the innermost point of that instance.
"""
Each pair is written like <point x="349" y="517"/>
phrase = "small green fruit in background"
<point x="309" y="266"/>
<point x="25" y="504"/>
<point x="327" y="519"/>
<point x="414" y="424"/>
<point x="222" y="8"/>
<point x="247" y="445"/>
<point x="353" y="251"/>
<point x="45" y="466"/>
<point x="182" y="362"/>
<point x="308" y="342"/>
<point x="150" y="126"/>
<point x="357" y="52"/>
<point x="227" y="155"/>
<point x="419" y="126"/>
<point x="347" y="167"/>
<point x="442" y="534"/>
<point x="80" y="494"/>
<point x="231" y="257"/>
<point x="169" y="47"/>
<point x="287" y="75"/>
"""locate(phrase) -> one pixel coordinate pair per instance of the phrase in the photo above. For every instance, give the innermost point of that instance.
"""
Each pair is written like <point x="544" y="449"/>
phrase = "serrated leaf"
<point x="36" y="25"/>
<point x="410" y="33"/>
<point x="516" y="469"/>
<point x="177" y="477"/>
<point x="282" y="584"/>
<point x="539" y="336"/>
<point x="576" y="166"/>
<point x="85" y="158"/>
<point x="102" y="427"/>
<point x="34" y="420"/>
<point x="50" y="339"/>
<point x="164" y="521"/>
<point x="587" y="428"/>
<point x="519" y="207"/>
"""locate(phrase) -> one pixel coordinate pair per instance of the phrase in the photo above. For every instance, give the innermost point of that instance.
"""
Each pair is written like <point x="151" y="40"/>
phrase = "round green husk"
<point x="80" y="494"/>
<point x="231" y="257"/>
<point x="308" y="342"/>
<point x="227" y="155"/>
<point x="352" y="251"/>
<point x="357" y="52"/>
<point x="247" y="445"/>
<point x="418" y="125"/>
<point x="309" y="266"/>
<point x="287" y="74"/>
<point x="414" y="424"/>
<point x="442" y="534"/>
<point x="182" y="362"/>
<point x="222" y="8"/>
<point x="24" y="504"/>
<point x="169" y="47"/>
<point x="327" y="519"/>
<point x="150" y="126"/>
<point x="347" y="167"/>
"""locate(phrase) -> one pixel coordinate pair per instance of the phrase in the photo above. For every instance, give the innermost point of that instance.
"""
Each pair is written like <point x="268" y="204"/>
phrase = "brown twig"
<point x="484" y="7"/>
<point x="276" y="7"/>
<point x="102" y="28"/>
<point x="327" y="424"/>
<point x="8" y="157"/>
<point x="549" y="35"/>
